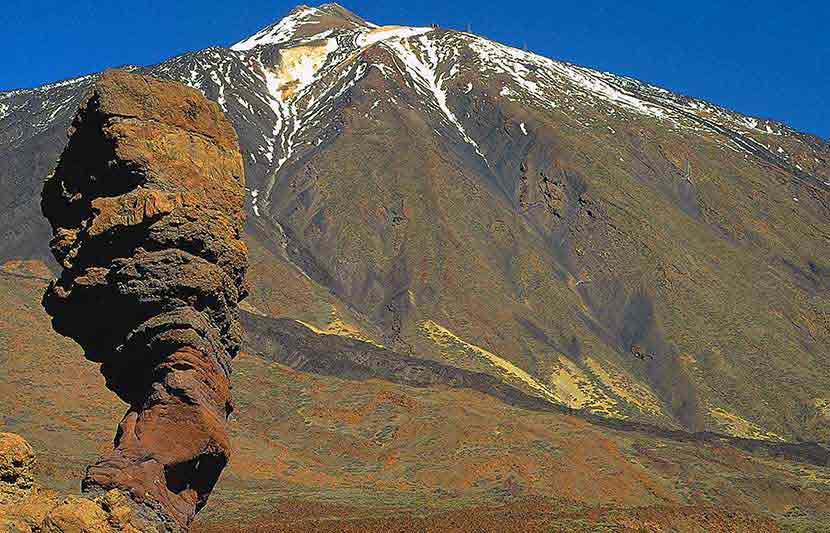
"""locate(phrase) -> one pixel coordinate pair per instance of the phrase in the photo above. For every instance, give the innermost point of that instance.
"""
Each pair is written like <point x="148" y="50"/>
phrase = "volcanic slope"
<point x="586" y="238"/>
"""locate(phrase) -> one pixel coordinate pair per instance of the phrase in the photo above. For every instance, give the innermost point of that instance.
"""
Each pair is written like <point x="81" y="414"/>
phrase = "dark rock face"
<point x="292" y="344"/>
<point x="146" y="207"/>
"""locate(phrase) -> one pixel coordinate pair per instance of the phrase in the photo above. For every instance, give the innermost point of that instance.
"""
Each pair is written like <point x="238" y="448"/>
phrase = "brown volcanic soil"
<point x="49" y="393"/>
<point x="376" y="448"/>
<point x="311" y="448"/>
<point x="522" y="517"/>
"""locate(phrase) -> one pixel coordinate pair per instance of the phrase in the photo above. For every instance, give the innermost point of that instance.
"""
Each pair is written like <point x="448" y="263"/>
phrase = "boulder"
<point x="17" y="461"/>
<point x="27" y="508"/>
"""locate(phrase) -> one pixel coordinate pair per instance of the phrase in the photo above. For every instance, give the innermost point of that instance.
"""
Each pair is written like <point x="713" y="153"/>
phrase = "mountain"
<point x="586" y="242"/>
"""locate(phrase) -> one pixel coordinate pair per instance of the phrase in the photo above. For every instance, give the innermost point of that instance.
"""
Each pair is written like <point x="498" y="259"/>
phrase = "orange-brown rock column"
<point x="146" y="206"/>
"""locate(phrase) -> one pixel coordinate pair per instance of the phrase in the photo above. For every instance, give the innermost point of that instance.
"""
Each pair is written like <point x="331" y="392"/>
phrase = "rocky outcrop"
<point x="26" y="507"/>
<point x="16" y="462"/>
<point x="146" y="207"/>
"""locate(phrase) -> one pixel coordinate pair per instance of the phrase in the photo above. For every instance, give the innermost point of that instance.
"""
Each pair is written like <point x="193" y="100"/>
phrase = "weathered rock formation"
<point x="16" y="461"/>
<point x="146" y="207"/>
<point x="25" y="507"/>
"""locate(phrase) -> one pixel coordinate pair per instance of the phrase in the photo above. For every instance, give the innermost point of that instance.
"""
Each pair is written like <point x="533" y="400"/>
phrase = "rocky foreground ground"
<point x="27" y="507"/>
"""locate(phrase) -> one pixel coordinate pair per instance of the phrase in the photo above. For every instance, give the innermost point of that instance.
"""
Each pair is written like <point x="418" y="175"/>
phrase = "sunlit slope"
<point x="616" y="247"/>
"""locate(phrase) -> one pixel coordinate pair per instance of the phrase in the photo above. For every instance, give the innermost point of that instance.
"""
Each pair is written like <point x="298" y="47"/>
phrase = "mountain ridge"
<point x="338" y="10"/>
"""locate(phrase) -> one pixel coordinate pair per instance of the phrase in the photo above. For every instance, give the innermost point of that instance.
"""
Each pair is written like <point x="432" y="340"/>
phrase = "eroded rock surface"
<point x="26" y="507"/>
<point x="146" y="207"/>
<point x="16" y="461"/>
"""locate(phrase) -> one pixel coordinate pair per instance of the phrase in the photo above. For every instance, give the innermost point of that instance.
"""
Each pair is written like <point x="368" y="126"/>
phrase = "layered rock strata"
<point x="146" y="208"/>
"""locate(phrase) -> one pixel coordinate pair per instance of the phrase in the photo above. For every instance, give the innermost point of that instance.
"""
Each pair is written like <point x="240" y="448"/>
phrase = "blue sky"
<point x="765" y="58"/>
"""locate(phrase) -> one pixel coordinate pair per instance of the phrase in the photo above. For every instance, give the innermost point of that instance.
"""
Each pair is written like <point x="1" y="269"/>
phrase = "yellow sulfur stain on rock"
<point x="578" y="391"/>
<point x="625" y="387"/>
<point x="249" y="307"/>
<point x="569" y="384"/>
<point x="445" y="338"/>
<point x="298" y="66"/>
<point x="740" y="427"/>
<point x="336" y="326"/>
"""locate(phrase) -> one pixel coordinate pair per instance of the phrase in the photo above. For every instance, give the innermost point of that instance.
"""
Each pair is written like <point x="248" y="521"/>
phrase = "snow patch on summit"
<point x="537" y="75"/>
<point x="423" y="67"/>
<point x="383" y="33"/>
<point x="298" y="69"/>
<point x="279" y="33"/>
<point x="299" y="65"/>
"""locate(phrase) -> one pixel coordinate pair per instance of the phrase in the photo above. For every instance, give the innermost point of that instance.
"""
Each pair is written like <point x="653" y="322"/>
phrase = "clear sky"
<point x="761" y="57"/>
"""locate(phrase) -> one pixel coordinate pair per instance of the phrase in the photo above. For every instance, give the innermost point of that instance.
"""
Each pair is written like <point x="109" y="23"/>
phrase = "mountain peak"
<point x="335" y="9"/>
<point x="304" y="22"/>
